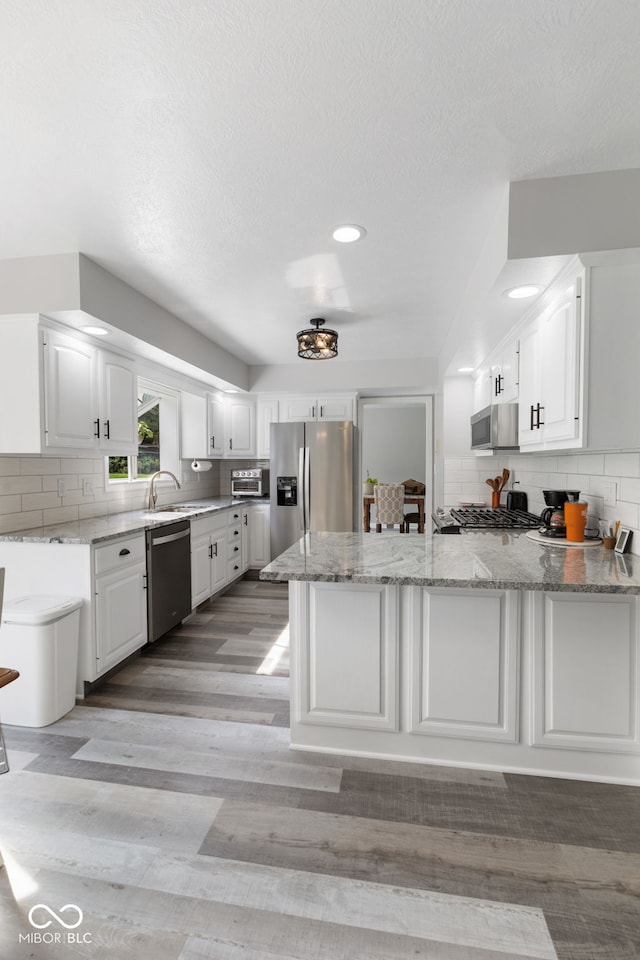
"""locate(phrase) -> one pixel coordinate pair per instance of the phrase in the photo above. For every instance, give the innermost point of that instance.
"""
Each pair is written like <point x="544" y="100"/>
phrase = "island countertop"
<point x="489" y="560"/>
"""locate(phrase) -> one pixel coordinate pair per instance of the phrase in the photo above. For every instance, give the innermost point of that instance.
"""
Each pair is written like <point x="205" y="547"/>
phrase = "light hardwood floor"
<point x="169" y="809"/>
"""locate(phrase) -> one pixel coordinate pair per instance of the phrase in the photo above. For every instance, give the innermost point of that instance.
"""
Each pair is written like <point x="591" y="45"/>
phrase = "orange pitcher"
<point x="575" y="518"/>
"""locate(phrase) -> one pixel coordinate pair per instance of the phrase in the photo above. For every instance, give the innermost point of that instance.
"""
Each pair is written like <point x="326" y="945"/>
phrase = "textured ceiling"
<point x="203" y="150"/>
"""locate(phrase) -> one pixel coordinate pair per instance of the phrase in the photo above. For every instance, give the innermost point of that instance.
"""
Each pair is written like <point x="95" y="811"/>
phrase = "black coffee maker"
<point x="552" y="516"/>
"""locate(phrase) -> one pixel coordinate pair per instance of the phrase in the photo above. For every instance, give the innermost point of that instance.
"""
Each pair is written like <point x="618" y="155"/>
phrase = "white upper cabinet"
<point x="217" y="426"/>
<point x="267" y="412"/>
<point x="317" y="408"/>
<point x="202" y="426"/>
<point x="72" y="395"/>
<point x="241" y="426"/>
<point x="118" y="390"/>
<point x="552" y="372"/>
<point x="505" y="373"/>
<point x="482" y="389"/>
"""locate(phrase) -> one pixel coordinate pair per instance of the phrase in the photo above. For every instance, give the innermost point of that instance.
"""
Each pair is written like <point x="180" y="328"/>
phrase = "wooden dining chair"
<point x="389" y="503"/>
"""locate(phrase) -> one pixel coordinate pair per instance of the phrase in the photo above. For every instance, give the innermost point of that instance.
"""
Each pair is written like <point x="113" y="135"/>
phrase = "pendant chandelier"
<point x="317" y="344"/>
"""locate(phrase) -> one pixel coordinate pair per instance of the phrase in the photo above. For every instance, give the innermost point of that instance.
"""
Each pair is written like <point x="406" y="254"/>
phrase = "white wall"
<point x="373" y="376"/>
<point x="457" y="407"/>
<point x="590" y="211"/>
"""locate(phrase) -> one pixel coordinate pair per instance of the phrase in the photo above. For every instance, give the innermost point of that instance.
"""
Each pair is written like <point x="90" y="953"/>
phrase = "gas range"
<point x="468" y="519"/>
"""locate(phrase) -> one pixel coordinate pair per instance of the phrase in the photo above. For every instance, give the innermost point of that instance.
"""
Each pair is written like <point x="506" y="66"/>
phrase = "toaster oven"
<point x="250" y="483"/>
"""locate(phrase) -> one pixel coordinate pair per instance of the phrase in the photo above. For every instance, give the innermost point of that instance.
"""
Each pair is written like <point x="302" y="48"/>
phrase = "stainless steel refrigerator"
<point x="311" y="480"/>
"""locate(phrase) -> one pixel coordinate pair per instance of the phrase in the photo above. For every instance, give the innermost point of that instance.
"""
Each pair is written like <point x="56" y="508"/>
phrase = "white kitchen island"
<point x="483" y="650"/>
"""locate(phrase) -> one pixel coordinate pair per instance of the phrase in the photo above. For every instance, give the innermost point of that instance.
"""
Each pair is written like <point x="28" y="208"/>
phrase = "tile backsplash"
<point x="30" y="496"/>
<point x="598" y="477"/>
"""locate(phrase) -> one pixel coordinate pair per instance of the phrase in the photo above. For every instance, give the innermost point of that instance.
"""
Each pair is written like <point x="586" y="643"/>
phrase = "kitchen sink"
<point x="174" y="508"/>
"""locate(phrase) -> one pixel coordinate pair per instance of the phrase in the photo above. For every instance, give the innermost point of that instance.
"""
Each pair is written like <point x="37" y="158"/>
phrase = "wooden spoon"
<point x="505" y="478"/>
<point x="491" y="483"/>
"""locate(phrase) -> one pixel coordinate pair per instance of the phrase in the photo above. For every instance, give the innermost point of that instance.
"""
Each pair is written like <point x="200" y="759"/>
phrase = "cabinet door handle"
<point x="499" y="380"/>
<point x="210" y="551"/>
<point x="107" y="429"/>
<point x="96" y="432"/>
<point x="313" y="413"/>
<point x="144" y="581"/>
<point x="124" y="552"/>
<point x="540" y="422"/>
<point x="321" y="411"/>
<point x="245" y="520"/>
<point x="213" y="442"/>
<point x="230" y="443"/>
<point x="531" y="424"/>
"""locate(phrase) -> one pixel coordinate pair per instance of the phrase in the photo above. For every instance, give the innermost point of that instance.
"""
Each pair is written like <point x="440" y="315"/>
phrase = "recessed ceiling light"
<point x="229" y="390"/>
<point x="348" y="233"/>
<point x="465" y="369"/>
<point x="520" y="293"/>
<point x="96" y="331"/>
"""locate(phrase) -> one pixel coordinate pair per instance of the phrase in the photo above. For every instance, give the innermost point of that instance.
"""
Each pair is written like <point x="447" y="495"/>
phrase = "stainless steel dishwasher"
<point x="168" y="577"/>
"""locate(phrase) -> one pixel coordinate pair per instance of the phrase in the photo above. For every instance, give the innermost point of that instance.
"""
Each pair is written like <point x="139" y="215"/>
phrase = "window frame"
<point x="169" y="449"/>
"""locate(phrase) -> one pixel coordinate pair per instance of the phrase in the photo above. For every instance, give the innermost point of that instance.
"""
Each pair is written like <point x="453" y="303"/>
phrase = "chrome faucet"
<point x="153" y="496"/>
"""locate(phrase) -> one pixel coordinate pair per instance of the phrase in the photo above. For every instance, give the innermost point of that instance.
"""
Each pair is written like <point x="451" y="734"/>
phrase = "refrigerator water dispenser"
<point x="287" y="491"/>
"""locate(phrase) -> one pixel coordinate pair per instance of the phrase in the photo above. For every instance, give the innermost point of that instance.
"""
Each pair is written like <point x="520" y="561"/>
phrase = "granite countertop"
<point x="99" y="529"/>
<point x="491" y="559"/>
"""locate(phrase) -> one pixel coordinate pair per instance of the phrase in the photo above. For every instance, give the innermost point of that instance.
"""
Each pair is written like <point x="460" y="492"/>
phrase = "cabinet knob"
<point x="124" y="552"/>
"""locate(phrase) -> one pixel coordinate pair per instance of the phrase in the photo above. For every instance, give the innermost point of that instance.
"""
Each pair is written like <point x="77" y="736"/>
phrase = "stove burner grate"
<point x="486" y="518"/>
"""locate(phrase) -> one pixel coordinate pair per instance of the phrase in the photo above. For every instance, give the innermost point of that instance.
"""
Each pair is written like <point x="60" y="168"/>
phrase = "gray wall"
<point x="394" y="442"/>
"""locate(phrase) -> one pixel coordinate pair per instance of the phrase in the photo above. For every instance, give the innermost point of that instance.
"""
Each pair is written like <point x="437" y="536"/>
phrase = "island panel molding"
<point x="348" y="678"/>
<point x="585" y="672"/>
<point x="465" y="646"/>
<point x="572" y="671"/>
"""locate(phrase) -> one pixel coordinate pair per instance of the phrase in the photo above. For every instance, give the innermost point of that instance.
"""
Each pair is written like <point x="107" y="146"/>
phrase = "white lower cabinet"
<point x="247" y="516"/>
<point x="465" y="646"/>
<point x="120" y="601"/>
<point x="585" y="672"/>
<point x="208" y="557"/>
<point x="524" y="681"/>
<point x="349" y="677"/>
<point x="121" y="605"/>
<point x="259" y="535"/>
<point x="234" y="542"/>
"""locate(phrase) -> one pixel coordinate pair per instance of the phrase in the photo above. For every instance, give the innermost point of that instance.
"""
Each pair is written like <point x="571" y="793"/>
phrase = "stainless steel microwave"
<point x="250" y="483"/>
<point x="495" y="427"/>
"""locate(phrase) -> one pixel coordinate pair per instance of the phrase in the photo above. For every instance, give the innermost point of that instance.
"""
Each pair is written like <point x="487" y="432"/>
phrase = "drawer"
<point x="234" y="517"/>
<point x="234" y="550"/>
<point x="234" y="568"/>
<point x="234" y="534"/>
<point x="203" y="525"/>
<point x="119" y="553"/>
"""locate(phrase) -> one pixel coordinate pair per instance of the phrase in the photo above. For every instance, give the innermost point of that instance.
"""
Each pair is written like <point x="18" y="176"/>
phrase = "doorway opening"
<point x="396" y="443"/>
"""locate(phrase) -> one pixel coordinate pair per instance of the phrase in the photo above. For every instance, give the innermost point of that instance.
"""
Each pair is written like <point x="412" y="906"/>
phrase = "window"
<point x="157" y="436"/>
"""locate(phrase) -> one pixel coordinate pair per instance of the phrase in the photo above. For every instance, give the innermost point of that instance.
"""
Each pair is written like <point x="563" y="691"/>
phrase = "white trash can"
<point x="39" y="638"/>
